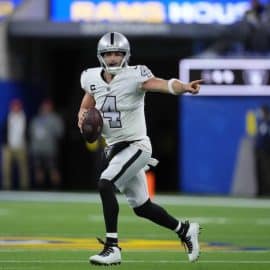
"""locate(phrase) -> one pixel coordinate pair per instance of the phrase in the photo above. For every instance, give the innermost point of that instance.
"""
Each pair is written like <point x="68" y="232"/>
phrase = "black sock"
<point x="110" y="205"/>
<point x="112" y="241"/>
<point x="183" y="229"/>
<point x="156" y="214"/>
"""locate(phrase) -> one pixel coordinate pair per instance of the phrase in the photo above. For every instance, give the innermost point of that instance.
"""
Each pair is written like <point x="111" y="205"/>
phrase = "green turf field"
<point x="52" y="233"/>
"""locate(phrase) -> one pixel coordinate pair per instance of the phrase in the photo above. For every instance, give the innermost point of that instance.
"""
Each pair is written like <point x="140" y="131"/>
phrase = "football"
<point x="92" y="125"/>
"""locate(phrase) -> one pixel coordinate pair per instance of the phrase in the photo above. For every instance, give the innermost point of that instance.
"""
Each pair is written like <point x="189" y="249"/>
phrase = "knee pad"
<point x="143" y="210"/>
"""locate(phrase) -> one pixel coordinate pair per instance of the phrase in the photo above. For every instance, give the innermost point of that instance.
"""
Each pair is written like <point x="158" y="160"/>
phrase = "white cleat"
<point x="191" y="241"/>
<point x="110" y="255"/>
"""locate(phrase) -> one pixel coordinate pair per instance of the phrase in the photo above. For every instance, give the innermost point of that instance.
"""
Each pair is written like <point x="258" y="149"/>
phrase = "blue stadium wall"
<point x="10" y="90"/>
<point x="210" y="129"/>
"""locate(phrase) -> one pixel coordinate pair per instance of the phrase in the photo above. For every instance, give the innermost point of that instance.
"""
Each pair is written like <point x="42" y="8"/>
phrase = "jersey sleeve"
<point x="83" y="80"/>
<point x="84" y="84"/>
<point x="144" y="74"/>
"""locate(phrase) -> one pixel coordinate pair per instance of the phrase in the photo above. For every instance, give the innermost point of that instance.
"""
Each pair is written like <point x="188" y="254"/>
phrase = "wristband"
<point x="170" y="87"/>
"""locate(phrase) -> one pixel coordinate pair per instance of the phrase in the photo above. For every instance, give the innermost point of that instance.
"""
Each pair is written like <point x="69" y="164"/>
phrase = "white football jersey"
<point x="121" y="102"/>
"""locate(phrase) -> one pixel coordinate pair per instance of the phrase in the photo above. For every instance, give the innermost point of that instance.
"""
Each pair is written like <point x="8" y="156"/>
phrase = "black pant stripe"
<point x="125" y="166"/>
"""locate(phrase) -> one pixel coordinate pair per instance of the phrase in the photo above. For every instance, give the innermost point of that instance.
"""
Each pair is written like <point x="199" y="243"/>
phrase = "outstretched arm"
<point x="172" y="86"/>
<point x="87" y="102"/>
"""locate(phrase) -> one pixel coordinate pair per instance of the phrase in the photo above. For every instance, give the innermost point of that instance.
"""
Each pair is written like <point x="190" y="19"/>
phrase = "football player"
<point x="117" y="90"/>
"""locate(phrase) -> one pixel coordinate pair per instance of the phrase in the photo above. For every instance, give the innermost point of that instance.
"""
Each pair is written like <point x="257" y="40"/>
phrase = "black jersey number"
<point x="110" y="112"/>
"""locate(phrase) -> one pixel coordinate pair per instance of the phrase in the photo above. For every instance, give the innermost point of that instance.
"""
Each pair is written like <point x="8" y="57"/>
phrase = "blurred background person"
<point x="15" y="147"/>
<point x="257" y="18"/>
<point x="248" y="36"/>
<point x="46" y="130"/>
<point x="262" y="150"/>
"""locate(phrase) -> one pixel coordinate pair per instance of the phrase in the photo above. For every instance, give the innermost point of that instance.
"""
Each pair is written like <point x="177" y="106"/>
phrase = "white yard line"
<point x="140" y="261"/>
<point x="200" y="261"/>
<point x="163" y="199"/>
<point x="13" y="250"/>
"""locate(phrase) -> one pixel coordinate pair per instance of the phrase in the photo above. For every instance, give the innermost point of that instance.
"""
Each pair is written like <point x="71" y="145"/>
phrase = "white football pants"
<point x="126" y="171"/>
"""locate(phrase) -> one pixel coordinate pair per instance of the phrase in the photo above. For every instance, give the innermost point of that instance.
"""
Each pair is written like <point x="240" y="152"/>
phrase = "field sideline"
<point x="50" y="230"/>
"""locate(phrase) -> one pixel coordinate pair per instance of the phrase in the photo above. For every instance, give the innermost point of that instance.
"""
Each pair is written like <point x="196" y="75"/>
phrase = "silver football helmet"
<point x="113" y="42"/>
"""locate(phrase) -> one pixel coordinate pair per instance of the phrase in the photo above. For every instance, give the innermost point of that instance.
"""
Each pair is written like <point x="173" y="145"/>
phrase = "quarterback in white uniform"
<point x="117" y="91"/>
<point x="121" y="102"/>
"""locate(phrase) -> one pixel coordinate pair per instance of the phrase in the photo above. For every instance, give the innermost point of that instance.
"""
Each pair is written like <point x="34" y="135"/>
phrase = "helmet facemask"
<point x="113" y="42"/>
<point x="115" y="69"/>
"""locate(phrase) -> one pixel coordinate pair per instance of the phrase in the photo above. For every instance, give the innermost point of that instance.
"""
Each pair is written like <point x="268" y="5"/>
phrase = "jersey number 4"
<point x="110" y="112"/>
